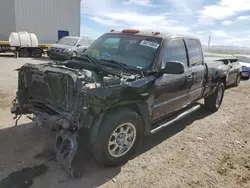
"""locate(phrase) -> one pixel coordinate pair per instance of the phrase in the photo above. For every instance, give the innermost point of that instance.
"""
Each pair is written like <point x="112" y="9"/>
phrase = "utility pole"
<point x="209" y="40"/>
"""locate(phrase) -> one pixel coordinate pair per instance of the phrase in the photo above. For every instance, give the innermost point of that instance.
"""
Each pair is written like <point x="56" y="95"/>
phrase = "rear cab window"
<point x="194" y="52"/>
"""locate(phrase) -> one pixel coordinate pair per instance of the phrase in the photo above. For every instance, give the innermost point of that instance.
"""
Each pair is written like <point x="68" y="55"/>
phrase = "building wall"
<point x="7" y="19"/>
<point x="46" y="17"/>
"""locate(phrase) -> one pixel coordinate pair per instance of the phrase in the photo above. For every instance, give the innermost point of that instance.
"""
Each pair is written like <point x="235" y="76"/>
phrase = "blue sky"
<point x="228" y="21"/>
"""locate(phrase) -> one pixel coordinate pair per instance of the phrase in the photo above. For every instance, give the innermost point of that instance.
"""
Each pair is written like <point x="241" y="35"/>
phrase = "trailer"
<point x="23" y="44"/>
<point x="24" y="51"/>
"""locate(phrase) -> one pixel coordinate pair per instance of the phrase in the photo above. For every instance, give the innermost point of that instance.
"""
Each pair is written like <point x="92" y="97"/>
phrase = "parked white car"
<point x="244" y="61"/>
<point x="68" y="47"/>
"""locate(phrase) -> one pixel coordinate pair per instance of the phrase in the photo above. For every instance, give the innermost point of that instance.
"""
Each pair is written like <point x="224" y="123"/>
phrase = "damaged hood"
<point x="59" y="85"/>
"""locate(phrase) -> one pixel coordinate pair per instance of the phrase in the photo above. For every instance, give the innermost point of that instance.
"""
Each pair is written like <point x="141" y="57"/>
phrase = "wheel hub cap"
<point x="122" y="140"/>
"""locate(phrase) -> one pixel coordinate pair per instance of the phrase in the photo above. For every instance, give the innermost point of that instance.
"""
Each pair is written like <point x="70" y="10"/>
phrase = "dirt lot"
<point x="202" y="150"/>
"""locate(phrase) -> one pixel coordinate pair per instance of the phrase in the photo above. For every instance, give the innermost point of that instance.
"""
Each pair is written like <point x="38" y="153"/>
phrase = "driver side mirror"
<point x="78" y="45"/>
<point x="173" y="67"/>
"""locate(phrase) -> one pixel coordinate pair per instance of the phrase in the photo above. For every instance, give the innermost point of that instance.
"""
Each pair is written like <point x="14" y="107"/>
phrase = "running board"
<point x="180" y="116"/>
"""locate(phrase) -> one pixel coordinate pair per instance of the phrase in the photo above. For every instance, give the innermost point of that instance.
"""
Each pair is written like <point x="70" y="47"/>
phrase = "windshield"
<point x="67" y="41"/>
<point x="133" y="51"/>
<point x="243" y="59"/>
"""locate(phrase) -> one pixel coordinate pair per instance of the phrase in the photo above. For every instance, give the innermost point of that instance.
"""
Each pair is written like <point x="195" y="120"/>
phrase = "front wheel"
<point x="213" y="102"/>
<point x="119" y="137"/>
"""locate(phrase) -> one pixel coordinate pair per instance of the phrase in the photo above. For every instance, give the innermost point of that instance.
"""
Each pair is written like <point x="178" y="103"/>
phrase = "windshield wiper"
<point x="118" y="64"/>
<point x="89" y="59"/>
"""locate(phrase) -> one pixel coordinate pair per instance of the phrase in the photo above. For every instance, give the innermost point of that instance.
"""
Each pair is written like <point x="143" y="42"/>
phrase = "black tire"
<point x="23" y="53"/>
<point x="37" y="53"/>
<point x="211" y="102"/>
<point x="100" y="146"/>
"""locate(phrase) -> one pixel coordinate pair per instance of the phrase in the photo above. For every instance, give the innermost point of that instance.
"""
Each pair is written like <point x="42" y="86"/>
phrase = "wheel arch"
<point x="139" y="107"/>
<point x="224" y="80"/>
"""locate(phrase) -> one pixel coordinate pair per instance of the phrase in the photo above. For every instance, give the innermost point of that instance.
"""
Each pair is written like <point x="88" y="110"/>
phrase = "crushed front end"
<point x="56" y="99"/>
<point x="67" y="98"/>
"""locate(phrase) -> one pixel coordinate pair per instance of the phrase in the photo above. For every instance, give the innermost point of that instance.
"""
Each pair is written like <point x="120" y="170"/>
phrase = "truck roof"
<point x="151" y="33"/>
<point x="77" y="37"/>
<point x="72" y="37"/>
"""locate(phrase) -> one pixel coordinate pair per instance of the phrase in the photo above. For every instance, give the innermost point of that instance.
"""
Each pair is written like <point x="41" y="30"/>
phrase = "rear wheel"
<point x="213" y="102"/>
<point x="23" y="53"/>
<point x="119" y="137"/>
<point x="37" y="53"/>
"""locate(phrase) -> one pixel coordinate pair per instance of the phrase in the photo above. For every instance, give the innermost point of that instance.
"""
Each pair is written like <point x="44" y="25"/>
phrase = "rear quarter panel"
<point x="217" y="70"/>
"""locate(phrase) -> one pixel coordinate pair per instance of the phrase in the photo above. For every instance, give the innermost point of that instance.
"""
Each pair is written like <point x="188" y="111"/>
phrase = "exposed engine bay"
<point x="99" y="78"/>
<point x="55" y="96"/>
<point x="94" y="79"/>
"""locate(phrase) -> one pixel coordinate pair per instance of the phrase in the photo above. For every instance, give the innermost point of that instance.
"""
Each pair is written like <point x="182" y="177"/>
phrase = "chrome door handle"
<point x="189" y="77"/>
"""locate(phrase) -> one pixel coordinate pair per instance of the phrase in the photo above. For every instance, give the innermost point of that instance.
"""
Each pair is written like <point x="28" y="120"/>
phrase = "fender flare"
<point x="140" y="107"/>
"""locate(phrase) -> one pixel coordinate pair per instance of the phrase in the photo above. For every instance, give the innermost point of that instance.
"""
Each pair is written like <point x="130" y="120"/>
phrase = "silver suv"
<point x="68" y="47"/>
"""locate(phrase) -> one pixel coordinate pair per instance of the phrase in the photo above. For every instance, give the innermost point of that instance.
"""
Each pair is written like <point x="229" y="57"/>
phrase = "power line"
<point x="209" y="40"/>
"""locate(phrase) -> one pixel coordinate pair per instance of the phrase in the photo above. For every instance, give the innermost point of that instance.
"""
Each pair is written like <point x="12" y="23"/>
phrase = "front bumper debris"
<point x="66" y="146"/>
<point x="66" y="149"/>
<point x="15" y="110"/>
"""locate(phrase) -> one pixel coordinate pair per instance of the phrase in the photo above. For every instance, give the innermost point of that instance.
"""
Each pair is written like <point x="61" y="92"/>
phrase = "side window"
<point x="176" y="51"/>
<point x="226" y="61"/>
<point x="111" y="43"/>
<point x="83" y="42"/>
<point x="194" y="52"/>
<point x="233" y="61"/>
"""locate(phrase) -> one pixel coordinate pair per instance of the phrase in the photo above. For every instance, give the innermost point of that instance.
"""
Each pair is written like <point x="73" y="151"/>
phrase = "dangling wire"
<point x="18" y="119"/>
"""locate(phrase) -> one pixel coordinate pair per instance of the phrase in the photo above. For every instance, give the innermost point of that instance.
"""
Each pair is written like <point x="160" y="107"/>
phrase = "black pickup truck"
<point x="126" y="84"/>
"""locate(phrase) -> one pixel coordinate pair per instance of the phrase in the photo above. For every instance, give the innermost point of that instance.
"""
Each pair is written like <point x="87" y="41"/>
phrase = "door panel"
<point x="197" y="67"/>
<point x="233" y="73"/>
<point x="171" y="94"/>
<point x="230" y="73"/>
<point x="197" y="87"/>
<point x="172" y="91"/>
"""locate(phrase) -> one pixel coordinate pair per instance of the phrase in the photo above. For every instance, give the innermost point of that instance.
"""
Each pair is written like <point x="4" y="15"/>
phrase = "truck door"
<point x="233" y="72"/>
<point x="172" y="91"/>
<point x="197" y="67"/>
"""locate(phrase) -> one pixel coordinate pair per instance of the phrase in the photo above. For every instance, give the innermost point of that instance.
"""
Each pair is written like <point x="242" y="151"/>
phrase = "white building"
<point x="48" y="19"/>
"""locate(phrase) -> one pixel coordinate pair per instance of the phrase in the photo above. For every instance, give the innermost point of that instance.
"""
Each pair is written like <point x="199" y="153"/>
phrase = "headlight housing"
<point x="67" y="50"/>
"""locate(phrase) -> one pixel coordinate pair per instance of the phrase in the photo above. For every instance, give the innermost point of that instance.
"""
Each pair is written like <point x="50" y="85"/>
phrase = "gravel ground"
<point x="202" y="150"/>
